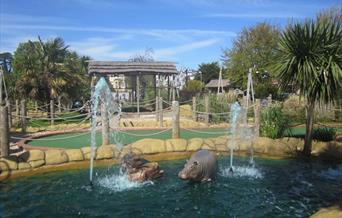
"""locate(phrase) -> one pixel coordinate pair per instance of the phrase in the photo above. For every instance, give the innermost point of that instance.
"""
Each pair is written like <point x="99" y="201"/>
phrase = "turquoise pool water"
<point x="274" y="188"/>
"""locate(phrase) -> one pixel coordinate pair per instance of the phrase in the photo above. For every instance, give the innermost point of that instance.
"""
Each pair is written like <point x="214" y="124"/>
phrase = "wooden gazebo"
<point x="215" y="84"/>
<point x="134" y="70"/>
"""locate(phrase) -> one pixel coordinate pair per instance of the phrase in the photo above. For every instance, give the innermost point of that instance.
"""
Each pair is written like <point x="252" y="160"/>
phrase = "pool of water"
<point x="273" y="188"/>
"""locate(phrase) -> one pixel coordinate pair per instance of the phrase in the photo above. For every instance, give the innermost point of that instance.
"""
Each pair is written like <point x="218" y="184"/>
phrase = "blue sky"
<point x="188" y="32"/>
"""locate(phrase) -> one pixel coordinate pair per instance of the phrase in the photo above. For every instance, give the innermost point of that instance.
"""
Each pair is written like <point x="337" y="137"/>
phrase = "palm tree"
<point x="51" y="55"/>
<point x="310" y="57"/>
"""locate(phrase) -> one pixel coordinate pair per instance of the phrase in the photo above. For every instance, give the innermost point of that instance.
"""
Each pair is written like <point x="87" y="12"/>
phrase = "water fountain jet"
<point x="103" y="95"/>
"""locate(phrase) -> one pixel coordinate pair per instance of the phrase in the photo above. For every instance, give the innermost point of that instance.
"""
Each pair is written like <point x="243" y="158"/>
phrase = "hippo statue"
<point x="201" y="167"/>
<point x="139" y="169"/>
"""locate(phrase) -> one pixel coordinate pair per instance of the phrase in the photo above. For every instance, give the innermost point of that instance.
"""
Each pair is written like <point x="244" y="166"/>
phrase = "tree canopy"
<point x="208" y="71"/>
<point x="254" y="47"/>
<point x="310" y="57"/>
<point x="47" y="70"/>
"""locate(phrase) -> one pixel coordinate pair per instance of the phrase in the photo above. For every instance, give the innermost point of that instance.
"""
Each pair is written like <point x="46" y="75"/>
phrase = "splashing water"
<point x="118" y="183"/>
<point x="248" y="136"/>
<point x="243" y="171"/>
<point x="235" y="110"/>
<point x="102" y="94"/>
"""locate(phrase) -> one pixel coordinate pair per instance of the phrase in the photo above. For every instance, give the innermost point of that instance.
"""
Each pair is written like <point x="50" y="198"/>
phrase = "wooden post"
<point x="206" y="105"/>
<point x="17" y="112"/>
<point x="36" y="106"/>
<point x="105" y="124"/>
<point x="1" y="76"/>
<point x="157" y="108"/>
<point x="23" y="114"/>
<point x="92" y="86"/>
<point x="59" y="105"/>
<point x="257" y="117"/>
<point x="173" y="89"/>
<point x="157" y="101"/>
<point x="244" y="101"/>
<point x="9" y="109"/>
<point x="194" y="116"/>
<point x="160" y="107"/>
<point x="269" y="99"/>
<point x="138" y="96"/>
<point x="168" y="88"/>
<point x="52" y="111"/>
<point x="175" y="119"/>
<point x="4" y="131"/>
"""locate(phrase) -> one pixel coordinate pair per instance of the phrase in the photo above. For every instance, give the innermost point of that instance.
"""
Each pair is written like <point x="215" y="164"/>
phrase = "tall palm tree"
<point x="51" y="55"/>
<point x="310" y="57"/>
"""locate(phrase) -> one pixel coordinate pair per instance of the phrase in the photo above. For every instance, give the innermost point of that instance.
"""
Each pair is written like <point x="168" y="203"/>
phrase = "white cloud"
<point x="10" y="44"/>
<point x="214" y="3"/>
<point x="185" y="48"/>
<point x="255" y="15"/>
<point x="94" y="47"/>
<point x="107" y="49"/>
<point x="22" y="18"/>
<point x="157" y="33"/>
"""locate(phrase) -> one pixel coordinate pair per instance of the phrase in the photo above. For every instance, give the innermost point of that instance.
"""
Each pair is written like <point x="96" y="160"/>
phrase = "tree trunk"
<point x="309" y="129"/>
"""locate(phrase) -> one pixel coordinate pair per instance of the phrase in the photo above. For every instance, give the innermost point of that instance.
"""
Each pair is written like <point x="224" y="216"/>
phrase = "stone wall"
<point x="284" y="147"/>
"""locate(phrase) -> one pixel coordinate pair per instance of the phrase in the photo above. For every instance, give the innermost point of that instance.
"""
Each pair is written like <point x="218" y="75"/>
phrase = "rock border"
<point x="36" y="159"/>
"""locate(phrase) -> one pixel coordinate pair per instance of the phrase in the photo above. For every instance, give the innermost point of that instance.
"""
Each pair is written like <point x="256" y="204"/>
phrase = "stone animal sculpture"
<point x="201" y="167"/>
<point x="139" y="169"/>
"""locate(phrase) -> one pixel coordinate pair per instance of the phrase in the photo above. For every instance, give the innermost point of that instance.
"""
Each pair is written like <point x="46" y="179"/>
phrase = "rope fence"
<point x="204" y="132"/>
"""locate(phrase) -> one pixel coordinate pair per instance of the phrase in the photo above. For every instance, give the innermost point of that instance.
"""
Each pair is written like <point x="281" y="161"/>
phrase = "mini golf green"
<point x="78" y="140"/>
<point x="300" y="131"/>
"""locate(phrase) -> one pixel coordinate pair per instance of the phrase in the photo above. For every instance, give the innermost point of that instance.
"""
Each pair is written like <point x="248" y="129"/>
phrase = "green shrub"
<point x="219" y="105"/>
<point x="294" y="109"/>
<point x="324" y="134"/>
<point x="273" y="122"/>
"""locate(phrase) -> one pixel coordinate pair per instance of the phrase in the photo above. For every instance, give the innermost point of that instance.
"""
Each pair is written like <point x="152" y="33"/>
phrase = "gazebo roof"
<point x="131" y="68"/>
<point x="214" y="83"/>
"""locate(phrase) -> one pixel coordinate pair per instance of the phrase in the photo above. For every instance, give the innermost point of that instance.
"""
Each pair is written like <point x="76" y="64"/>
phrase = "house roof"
<point x="131" y="68"/>
<point x="214" y="83"/>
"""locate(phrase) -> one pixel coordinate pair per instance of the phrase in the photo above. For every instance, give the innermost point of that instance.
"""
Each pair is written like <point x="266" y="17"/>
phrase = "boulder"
<point x="292" y="145"/>
<point x="34" y="155"/>
<point x="330" y="212"/>
<point x="176" y="145"/>
<point x="86" y="153"/>
<point x="194" y="144"/>
<point x="221" y="140"/>
<point x="261" y="143"/>
<point x="74" y="154"/>
<point x="105" y="152"/>
<point x="37" y="163"/>
<point x="24" y="166"/>
<point x="149" y="146"/>
<point x="209" y="144"/>
<point x="318" y="147"/>
<point x="275" y="149"/>
<point x="3" y="166"/>
<point x="243" y="145"/>
<point x="55" y="157"/>
<point x="332" y="151"/>
<point x="9" y="163"/>
<point x="221" y="147"/>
